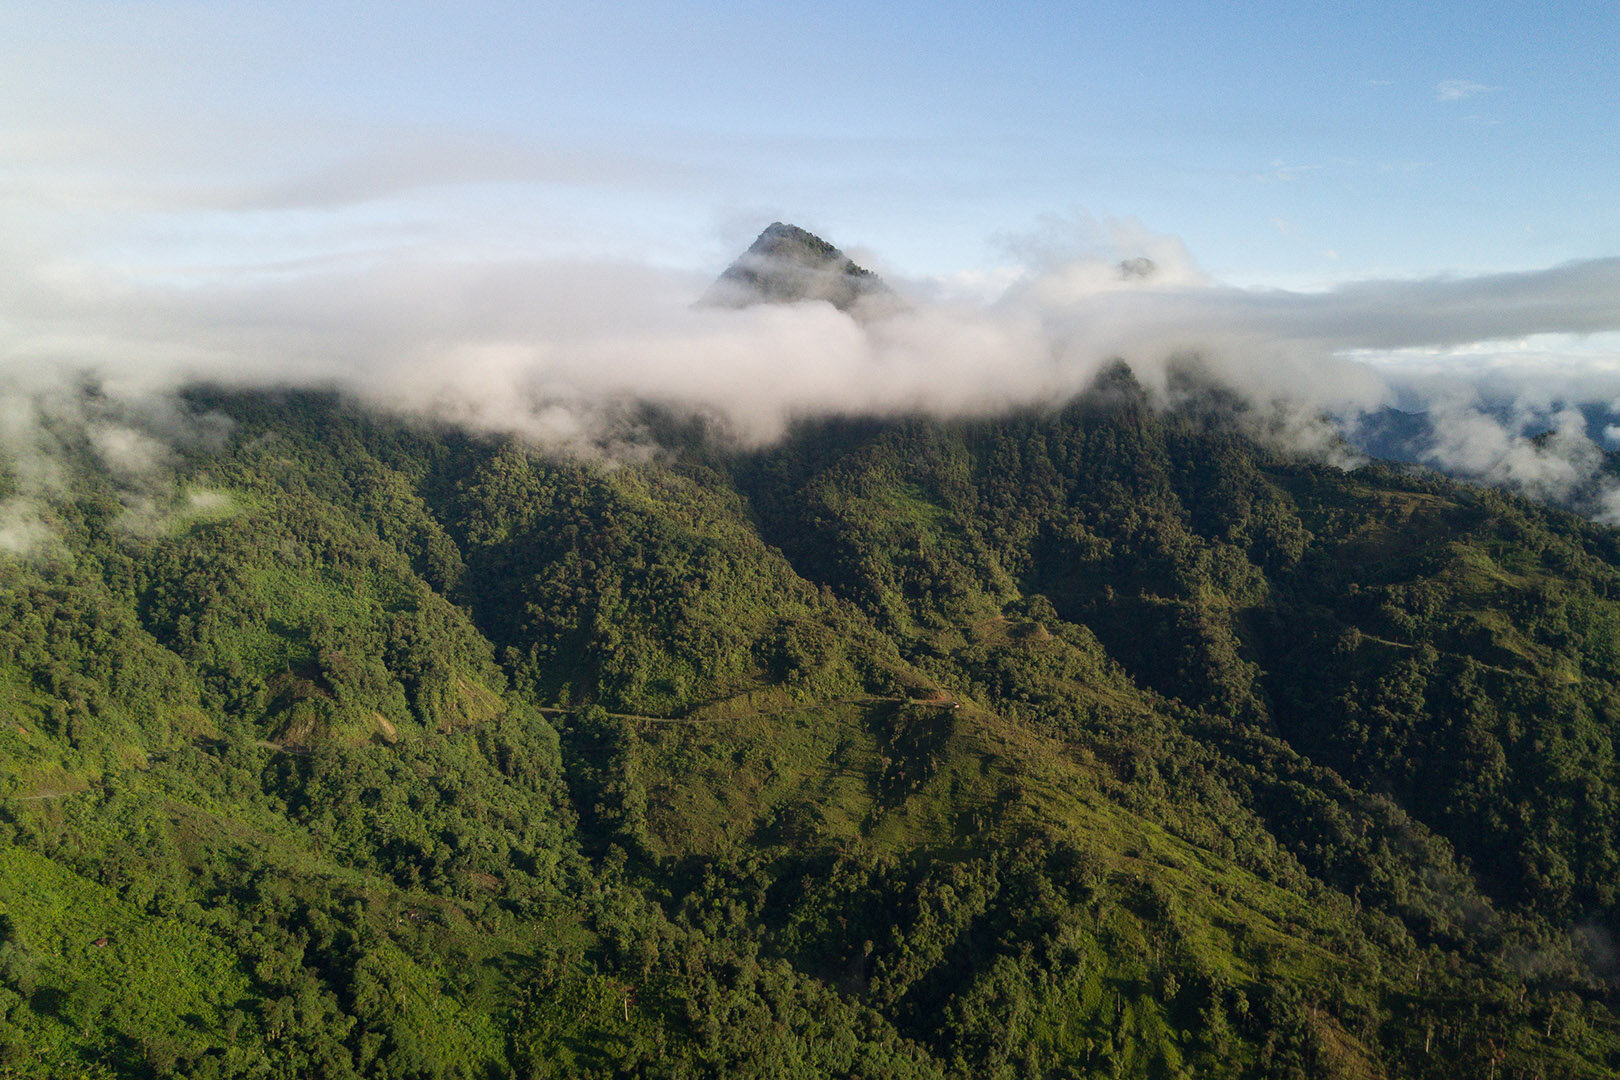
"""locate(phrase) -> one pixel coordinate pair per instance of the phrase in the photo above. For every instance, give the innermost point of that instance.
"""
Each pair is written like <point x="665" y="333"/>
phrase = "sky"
<point x="1286" y="144"/>
<point x="500" y="215"/>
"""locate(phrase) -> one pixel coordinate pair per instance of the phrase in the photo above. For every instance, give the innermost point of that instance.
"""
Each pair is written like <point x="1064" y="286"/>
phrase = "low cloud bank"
<point x="554" y="351"/>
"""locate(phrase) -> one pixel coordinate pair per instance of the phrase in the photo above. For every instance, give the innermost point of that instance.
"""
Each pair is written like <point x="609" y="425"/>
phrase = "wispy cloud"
<point x="1285" y="173"/>
<point x="1460" y="90"/>
<point x="435" y="159"/>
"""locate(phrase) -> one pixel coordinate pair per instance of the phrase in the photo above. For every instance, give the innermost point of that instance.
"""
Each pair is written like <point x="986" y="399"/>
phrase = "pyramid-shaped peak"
<point x="788" y="264"/>
<point x="789" y="241"/>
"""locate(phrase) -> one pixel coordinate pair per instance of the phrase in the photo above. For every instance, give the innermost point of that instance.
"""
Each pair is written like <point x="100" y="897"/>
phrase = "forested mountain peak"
<point x="787" y="264"/>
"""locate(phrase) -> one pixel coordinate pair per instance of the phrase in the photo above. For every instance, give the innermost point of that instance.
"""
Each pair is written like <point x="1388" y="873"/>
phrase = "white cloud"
<point x="499" y="342"/>
<point x="1287" y="174"/>
<point x="1459" y="90"/>
<point x="419" y="322"/>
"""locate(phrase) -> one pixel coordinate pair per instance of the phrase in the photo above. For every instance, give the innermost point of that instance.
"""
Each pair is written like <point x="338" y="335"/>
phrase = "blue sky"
<point x="1295" y="145"/>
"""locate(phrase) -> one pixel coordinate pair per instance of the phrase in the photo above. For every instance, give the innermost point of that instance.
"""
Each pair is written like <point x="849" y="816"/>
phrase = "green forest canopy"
<point x="1098" y="741"/>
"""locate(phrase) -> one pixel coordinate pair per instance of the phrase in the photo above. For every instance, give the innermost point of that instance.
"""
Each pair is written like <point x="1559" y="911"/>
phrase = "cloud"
<point x="428" y="159"/>
<point x="1284" y="173"/>
<point x="500" y="343"/>
<point x="1459" y="90"/>
<point x="22" y="530"/>
<point x="560" y="350"/>
<point x="1469" y="441"/>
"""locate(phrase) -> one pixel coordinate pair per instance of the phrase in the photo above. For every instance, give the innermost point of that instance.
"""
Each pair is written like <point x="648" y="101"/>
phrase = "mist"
<point x="558" y="352"/>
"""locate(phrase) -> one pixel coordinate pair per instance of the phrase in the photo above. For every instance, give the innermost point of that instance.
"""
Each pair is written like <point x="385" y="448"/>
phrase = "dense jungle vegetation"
<point x="1096" y="741"/>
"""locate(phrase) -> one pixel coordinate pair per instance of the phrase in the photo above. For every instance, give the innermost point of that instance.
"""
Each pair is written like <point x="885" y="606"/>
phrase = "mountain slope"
<point x="1096" y="741"/>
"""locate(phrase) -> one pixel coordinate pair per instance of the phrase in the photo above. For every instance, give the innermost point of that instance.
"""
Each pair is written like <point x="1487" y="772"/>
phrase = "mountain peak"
<point x="787" y="264"/>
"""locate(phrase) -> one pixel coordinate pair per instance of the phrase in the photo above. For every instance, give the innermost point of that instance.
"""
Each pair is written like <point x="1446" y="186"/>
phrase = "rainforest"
<point x="1094" y="739"/>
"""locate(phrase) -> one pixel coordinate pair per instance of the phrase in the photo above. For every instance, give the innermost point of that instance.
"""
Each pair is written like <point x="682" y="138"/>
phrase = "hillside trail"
<point x="43" y="796"/>
<point x="551" y="710"/>
<point x="935" y="703"/>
